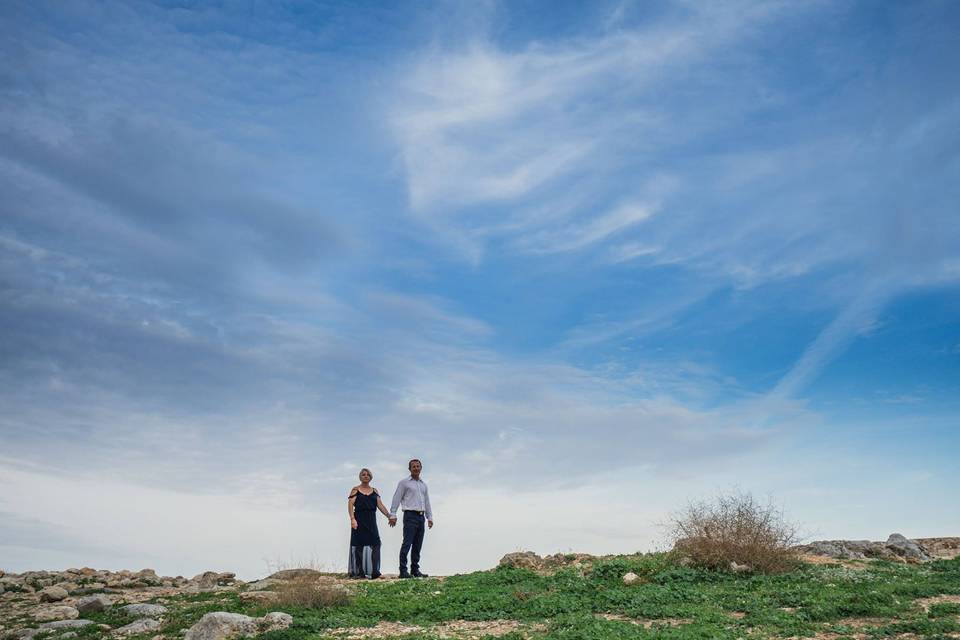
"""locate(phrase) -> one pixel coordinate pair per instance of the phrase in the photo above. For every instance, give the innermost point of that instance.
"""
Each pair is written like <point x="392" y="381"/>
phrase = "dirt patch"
<point x="646" y="624"/>
<point x="925" y="603"/>
<point x="863" y="623"/>
<point x="451" y="629"/>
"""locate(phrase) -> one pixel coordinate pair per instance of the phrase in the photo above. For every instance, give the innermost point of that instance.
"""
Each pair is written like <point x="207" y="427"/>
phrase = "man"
<point x="412" y="494"/>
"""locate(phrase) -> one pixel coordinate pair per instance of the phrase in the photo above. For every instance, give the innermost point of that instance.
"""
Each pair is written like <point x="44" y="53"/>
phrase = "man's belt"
<point x="412" y="511"/>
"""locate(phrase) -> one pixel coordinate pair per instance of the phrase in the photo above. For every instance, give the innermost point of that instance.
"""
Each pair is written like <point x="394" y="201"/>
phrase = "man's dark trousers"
<point x="414" y="525"/>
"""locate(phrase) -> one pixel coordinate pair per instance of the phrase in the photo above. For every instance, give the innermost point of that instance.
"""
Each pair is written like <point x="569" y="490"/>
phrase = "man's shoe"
<point x="420" y="575"/>
<point x="404" y="574"/>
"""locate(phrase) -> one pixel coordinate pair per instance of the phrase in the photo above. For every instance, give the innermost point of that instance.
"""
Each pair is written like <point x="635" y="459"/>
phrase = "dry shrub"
<point x="308" y="592"/>
<point x="734" y="532"/>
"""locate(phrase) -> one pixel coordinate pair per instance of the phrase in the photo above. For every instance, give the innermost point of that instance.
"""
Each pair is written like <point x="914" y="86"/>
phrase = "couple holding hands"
<point x="362" y="506"/>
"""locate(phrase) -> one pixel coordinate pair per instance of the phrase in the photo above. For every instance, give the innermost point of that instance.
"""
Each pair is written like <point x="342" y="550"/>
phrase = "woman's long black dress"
<point x="364" y="559"/>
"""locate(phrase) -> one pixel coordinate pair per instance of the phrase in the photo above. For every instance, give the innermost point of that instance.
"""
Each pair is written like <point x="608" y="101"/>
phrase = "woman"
<point x="362" y="506"/>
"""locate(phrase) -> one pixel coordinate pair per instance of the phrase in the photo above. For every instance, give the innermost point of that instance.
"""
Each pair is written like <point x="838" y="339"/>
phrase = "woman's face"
<point x="365" y="476"/>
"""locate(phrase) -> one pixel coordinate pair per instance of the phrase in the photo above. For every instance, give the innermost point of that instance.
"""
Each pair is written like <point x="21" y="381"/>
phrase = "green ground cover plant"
<point x="669" y="601"/>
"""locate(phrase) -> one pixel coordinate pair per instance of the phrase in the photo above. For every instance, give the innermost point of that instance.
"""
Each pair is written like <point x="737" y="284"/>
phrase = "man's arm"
<point x="426" y="504"/>
<point x="395" y="503"/>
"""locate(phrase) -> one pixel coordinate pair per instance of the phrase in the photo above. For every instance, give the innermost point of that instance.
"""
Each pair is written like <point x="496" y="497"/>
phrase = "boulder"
<point x="91" y="604"/>
<point x="907" y="549"/>
<point x="23" y="634"/>
<point x="56" y="612"/>
<point x="53" y="594"/>
<point x="140" y="626"/>
<point x="210" y="581"/>
<point x="64" y="624"/>
<point x="294" y="574"/>
<point x="220" y="625"/>
<point x="630" y="578"/>
<point x="736" y="567"/>
<point x="144" y="610"/>
<point x="522" y="559"/>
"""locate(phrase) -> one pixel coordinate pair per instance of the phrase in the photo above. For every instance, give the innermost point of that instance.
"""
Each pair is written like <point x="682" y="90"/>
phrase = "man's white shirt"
<point x="413" y="496"/>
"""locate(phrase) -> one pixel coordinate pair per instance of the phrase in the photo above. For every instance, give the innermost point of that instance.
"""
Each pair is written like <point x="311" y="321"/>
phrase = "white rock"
<point x="220" y="625"/>
<point x="65" y="624"/>
<point x="53" y="594"/>
<point x="140" y="626"/>
<point x="56" y="612"/>
<point x="739" y="568"/>
<point x="145" y="610"/>
<point x="630" y="578"/>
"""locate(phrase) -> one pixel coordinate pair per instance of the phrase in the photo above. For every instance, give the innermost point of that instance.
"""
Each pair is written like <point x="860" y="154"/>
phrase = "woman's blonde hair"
<point x="368" y="471"/>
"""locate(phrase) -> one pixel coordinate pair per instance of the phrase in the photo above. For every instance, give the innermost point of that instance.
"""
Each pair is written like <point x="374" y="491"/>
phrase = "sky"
<point x="587" y="261"/>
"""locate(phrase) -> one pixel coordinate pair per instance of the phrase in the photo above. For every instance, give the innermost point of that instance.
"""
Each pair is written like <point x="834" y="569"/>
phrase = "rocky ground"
<point x="90" y="604"/>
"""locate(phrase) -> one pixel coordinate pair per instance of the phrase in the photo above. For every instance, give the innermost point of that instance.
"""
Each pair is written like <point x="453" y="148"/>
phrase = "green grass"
<point x="800" y="603"/>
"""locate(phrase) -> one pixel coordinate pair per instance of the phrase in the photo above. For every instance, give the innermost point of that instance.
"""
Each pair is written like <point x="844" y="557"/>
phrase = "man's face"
<point x="415" y="468"/>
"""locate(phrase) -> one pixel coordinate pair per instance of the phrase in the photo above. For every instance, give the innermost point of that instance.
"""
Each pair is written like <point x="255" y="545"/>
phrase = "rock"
<point x="67" y="636"/>
<point x="945" y="548"/>
<point x="274" y="620"/>
<point x="521" y="559"/>
<point x="740" y="568"/>
<point x="140" y="626"/>
<point x="630" y="578"/>
<point x="23" y="634"/>
<point x="221" y="625"/>
<point x="56" y="612"/>
<point x="259" y="596"/>
<point x="907" y="548"/>
<point x="145" y="610"/>
<point x="897" y="548"/>
<point x="210" y="581"/>
<point x="293" y="574"/>
<point x="64" y="624"/>
<point x="91" y="604"/>
<point x="53" y="594"/>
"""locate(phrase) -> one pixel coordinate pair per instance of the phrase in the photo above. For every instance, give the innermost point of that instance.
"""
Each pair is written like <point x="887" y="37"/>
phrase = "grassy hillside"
<point x="827" y="601"/>
<point x="851" y="600"/>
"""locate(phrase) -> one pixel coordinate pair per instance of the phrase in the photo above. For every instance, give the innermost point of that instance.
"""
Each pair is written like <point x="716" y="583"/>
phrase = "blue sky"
<point x="586" y="260"/>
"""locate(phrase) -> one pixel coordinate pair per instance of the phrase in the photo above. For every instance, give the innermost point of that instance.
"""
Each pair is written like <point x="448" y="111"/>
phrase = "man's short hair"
<point x="410" y="464"/>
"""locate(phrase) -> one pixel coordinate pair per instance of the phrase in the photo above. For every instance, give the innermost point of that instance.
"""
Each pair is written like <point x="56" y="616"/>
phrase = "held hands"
<point x="353" y="523"/>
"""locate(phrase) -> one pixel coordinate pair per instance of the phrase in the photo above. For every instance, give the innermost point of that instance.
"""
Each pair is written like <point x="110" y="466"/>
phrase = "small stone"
<point x="53" y="594"/>
<point x="56" y="612"/>
<point x="630" y="578"/>
<point x="140" y="626"/>
<point x="739" y="568"/>
<point x="145" y="610"/>
<point x="67" y="635"/>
